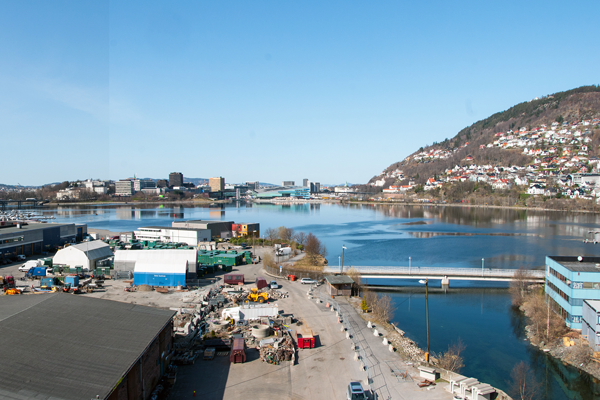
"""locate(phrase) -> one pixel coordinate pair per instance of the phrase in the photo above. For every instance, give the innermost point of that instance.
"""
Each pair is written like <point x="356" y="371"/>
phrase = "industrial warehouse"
<point x="35" y="238"/>
<point x="63" y="347"/>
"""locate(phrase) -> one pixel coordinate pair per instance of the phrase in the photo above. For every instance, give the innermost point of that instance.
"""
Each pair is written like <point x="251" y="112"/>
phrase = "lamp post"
<point x="342" y="264"/>
<point x="482" y="262"/>
<point x="425" y="282"/>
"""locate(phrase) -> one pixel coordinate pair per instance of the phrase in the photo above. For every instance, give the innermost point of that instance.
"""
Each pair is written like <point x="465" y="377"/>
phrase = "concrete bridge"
<point x="5" y="203"/>
<point x="443" y="274"/>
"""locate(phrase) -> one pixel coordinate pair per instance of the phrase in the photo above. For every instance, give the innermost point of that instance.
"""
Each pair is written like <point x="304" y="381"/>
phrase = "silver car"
<point x="355" y="392"/>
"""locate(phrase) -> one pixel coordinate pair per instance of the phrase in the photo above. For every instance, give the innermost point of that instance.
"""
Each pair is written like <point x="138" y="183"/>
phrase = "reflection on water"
<point x="380" y="235"/>
<point x="493" y="332"/>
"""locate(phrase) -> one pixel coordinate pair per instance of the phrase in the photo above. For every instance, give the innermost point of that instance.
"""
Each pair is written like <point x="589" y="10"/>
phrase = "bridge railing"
<point x="440" y="271"/>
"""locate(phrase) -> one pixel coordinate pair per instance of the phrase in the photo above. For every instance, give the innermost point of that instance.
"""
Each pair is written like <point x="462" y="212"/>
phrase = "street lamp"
<point x="425" y="282"/>
<point x="342" y="264"/>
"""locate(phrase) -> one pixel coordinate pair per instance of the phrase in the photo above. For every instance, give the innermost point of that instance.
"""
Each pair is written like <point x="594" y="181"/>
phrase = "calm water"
<point x="432" y="236"/>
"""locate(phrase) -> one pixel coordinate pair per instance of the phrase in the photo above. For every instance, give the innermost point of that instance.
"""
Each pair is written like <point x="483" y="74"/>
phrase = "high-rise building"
<point x="124" y="187"/>
<point x="162" y="183"/>
<point x="175" y="179"/>
<point x="216" y="184"/>
<point x="252" y="185"/>
<point x="305" y="182"/>
<point x="315" y="187"/>
<point x="288" y="183"/>
<point x="139" y="184"/>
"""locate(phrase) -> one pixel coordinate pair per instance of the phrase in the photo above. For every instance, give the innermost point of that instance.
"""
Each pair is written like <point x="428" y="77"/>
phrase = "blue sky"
<point x="331" y="91"/>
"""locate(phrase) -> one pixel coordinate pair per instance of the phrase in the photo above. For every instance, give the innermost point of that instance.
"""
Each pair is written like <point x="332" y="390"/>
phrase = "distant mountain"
<point x="509" y="138"/>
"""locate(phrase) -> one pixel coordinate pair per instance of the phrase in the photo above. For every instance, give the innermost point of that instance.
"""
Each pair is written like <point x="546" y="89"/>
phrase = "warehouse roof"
<point x="29" y="227"/>
<point x="58" y="346"/>
<point x="339" y="279"/>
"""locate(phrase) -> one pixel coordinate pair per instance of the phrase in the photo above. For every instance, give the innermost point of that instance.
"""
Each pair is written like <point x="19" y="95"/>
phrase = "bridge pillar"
<point x="445" y="282"/>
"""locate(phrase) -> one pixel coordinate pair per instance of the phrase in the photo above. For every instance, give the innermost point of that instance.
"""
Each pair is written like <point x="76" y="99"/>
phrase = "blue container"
<point x="38" y="271"/>
<point x="73" y="280"/>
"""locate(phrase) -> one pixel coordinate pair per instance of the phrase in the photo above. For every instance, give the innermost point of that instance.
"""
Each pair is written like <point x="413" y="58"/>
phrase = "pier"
<point x="444" y="274"/>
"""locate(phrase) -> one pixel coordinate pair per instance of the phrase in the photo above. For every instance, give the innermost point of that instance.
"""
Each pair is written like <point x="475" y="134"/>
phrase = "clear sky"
<point x="332" y="91"/>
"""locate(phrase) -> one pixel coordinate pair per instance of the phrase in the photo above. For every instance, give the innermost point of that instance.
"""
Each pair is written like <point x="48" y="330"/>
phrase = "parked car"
<point x="355" y="392"/>
<point x="308" y="281"/>
<point x="25" y="267"/>
<point x="21" y="257"/>
<point x="274" y="285"/>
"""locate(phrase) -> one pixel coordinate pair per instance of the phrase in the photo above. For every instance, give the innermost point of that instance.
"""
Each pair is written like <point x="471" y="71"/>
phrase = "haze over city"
<point x="266" y="90"/>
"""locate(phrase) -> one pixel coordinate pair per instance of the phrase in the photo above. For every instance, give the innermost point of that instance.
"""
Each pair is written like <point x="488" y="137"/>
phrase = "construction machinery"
<point x="257" y="296"/>
<point x="8" y="285"/>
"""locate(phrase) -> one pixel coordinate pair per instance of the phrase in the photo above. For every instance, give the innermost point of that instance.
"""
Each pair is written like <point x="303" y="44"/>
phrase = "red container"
<point x="305" y="341"/>
<point x="238" y="351"/>
<point x="233" y="279"/>
<point x="292" y="278"/>
<point x="261" y="283"/>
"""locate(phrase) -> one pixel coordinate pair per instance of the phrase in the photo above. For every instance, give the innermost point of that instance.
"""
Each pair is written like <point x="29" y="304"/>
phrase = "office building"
<point x="288" y="183"/>
<point x="175" y="179"/>
<point x="305" y="182"/>
<point x="253" y="185"/>
<point x="33" y="238"/>
<point x="282" y="192"/>
<point x="189" y="236"/>
<point x="590" y="326"/>
<point x="124" y="187"/>
<point x="315" y="187"/>
<point x="217" y="229"/>
<point x="216" y="184"/>
<point x="140" y="184"/>
<point x="569" y="281"/>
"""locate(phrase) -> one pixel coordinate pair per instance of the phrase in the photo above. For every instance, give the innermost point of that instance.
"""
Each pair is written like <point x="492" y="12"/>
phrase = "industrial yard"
<point x="281" y="338"/>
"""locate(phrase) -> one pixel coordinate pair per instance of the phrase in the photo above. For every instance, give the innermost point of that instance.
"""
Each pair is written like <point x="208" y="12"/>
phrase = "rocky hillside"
<point x="558" y="133"/>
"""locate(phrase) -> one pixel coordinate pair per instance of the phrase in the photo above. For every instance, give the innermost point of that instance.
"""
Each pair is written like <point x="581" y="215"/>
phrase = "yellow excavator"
<point x="256" y="296"/>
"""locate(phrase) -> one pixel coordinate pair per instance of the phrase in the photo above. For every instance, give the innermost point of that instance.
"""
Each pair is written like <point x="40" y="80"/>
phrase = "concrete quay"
<point x="320" y="373"/>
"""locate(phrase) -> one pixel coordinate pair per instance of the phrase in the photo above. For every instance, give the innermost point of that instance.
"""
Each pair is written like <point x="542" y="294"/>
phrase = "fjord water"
<point x="384" y="235"/>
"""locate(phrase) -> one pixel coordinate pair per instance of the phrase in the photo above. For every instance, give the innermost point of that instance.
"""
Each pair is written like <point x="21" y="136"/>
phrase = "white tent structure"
<point x="127" y="260"/>
<point x="85" y="254"/>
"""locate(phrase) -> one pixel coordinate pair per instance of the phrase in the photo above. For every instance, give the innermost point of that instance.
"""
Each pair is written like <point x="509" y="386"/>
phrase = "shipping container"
<point x="238" y="351"/>
<point x="73" y="280"/>
<point x="233" y="279"/>
<point x="261" y="283"/>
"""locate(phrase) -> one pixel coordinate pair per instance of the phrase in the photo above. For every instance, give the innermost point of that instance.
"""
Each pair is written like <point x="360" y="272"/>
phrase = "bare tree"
<point x="524" y="386"/>
<point x="300" y="238"/>
<point x="285" y="233"/>
<point x="546" y="325"/>
<point x="520" y="286"/>
<point x="383" y="308"/>
<point x="355" y="275"/>
<point x="271" y="234"/>
<point x="370" y="297"/>
<point x="314" y="248"/>
<point x="452" y="360"/>
<point x="268" y="259"/>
